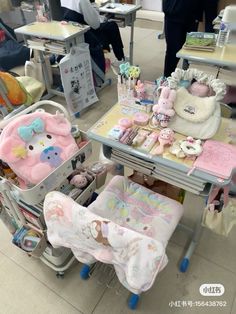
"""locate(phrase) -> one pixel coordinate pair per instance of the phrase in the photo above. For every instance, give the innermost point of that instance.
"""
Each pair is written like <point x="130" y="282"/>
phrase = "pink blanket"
<point x="136" y="257"/>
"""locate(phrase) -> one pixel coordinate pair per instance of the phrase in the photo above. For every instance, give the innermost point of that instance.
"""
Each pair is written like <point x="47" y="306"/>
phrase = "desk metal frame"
<point x="175" y="173"/>
<point x="221" y="57"/>
<point x="129" y="18"/>
<point x="70" y="40"/>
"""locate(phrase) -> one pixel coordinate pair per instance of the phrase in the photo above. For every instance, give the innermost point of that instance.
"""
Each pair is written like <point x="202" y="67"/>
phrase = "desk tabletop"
<point x="225" y="56"/>
<point x="99" y="132"/>
<point x="52" y="30"/>
<point x="120" y="8"/>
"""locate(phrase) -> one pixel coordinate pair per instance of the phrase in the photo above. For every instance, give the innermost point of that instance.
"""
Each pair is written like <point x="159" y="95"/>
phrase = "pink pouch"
<point x="217" y="158"/>
<point x="35" y="144"/>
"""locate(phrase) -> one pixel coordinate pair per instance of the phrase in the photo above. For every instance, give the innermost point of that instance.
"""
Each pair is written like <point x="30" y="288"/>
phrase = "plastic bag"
<point x="77" y="79"/>
<point x="220" y="213"/>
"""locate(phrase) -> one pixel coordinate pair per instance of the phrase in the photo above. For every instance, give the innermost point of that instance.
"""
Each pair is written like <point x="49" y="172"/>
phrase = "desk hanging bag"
<point x="220" y="214"/>
<point x="77" y="79"/>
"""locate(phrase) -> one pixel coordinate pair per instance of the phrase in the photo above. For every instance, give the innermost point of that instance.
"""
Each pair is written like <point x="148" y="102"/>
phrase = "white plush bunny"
<point x="163" y="111"/>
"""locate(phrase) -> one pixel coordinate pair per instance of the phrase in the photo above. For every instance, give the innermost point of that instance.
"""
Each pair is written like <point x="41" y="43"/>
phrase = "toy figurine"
<point x="163" y="111"/>
<point x="166" y="137"/>
<point x="80" y="181"/>
<point x="189" y="148"/>
<point x="140" y="90"/>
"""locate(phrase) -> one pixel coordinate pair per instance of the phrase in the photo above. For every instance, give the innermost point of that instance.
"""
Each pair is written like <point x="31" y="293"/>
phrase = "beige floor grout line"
<point x="100" y="299"/>
<point x="43" y="283"/>
<point x="205" y="258"/>
<point x="234" y="301"/>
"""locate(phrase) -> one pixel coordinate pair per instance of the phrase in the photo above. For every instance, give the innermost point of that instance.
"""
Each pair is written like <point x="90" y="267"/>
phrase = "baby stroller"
<point x="127" y="226"/>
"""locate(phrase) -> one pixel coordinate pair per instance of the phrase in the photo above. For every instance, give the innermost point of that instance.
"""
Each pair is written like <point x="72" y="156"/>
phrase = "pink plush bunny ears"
<point x="168" y="93"/>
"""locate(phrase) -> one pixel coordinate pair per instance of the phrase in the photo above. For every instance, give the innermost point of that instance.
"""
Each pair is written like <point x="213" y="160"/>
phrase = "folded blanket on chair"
<point x="137" y="258"/>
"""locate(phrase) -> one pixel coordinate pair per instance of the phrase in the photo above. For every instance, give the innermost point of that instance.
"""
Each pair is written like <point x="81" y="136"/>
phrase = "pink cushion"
<point x="138" y="208"/>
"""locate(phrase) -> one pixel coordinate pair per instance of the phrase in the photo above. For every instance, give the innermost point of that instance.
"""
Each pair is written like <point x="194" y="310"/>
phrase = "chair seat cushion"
<point x="137" y="208"/>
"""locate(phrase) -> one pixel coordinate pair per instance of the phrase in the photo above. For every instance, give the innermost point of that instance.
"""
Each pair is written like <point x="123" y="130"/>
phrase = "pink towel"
<point x="217" y="158"/>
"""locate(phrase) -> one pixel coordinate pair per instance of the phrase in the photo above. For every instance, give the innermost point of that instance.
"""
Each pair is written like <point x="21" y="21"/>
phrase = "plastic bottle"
<point x="223" y="35"/>
<point x="75" y="131"/>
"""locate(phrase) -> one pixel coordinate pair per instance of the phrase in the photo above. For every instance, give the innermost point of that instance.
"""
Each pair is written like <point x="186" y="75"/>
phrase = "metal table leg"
<point x="45" y="76"/>
<point x="131" y="43"/>
<point x="196" y="234"/>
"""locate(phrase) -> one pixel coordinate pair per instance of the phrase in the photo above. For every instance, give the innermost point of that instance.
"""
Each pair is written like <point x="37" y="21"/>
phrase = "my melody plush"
<point x="79" y="181"/>
<point x="140" y="90"/>
<point x="166" y="137"/>
<point x="81" y="178"/>
<point x="163" y="111"/>
<point x="35" y="144"/>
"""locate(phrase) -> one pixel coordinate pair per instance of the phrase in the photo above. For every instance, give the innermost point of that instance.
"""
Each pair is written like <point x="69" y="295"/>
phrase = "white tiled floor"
<point x="28" y="286"/>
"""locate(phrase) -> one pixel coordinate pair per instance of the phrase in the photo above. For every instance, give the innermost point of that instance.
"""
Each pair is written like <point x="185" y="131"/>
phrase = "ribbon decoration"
<point x="26" y="132"/>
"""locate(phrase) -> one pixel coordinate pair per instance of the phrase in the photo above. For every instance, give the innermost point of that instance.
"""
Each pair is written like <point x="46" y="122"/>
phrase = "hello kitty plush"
<point x="162" y="112"/>
<point x="35" y="144"/>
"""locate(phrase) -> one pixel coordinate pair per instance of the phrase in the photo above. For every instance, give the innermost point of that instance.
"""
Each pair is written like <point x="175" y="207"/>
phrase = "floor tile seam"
<point x="43" y="283"/>
<point x="205" y="258"/>
<point x="216" y="264"/>
<point x="234" y="300"/>
<point x="101" y="297"/>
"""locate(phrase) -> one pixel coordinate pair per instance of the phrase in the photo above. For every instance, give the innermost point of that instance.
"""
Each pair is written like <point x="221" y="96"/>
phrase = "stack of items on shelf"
<point x="30" y="240"/>
<point x="55" y="46"/>
<point x="200" y="41"/>
<point x="33" y="214"/>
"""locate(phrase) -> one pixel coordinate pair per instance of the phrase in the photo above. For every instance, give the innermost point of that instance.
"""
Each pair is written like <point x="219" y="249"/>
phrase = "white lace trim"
<point x="217" y="85"/>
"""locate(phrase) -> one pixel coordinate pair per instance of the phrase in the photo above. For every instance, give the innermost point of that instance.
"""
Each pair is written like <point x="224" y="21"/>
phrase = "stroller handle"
<point x="32" y="108"/>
